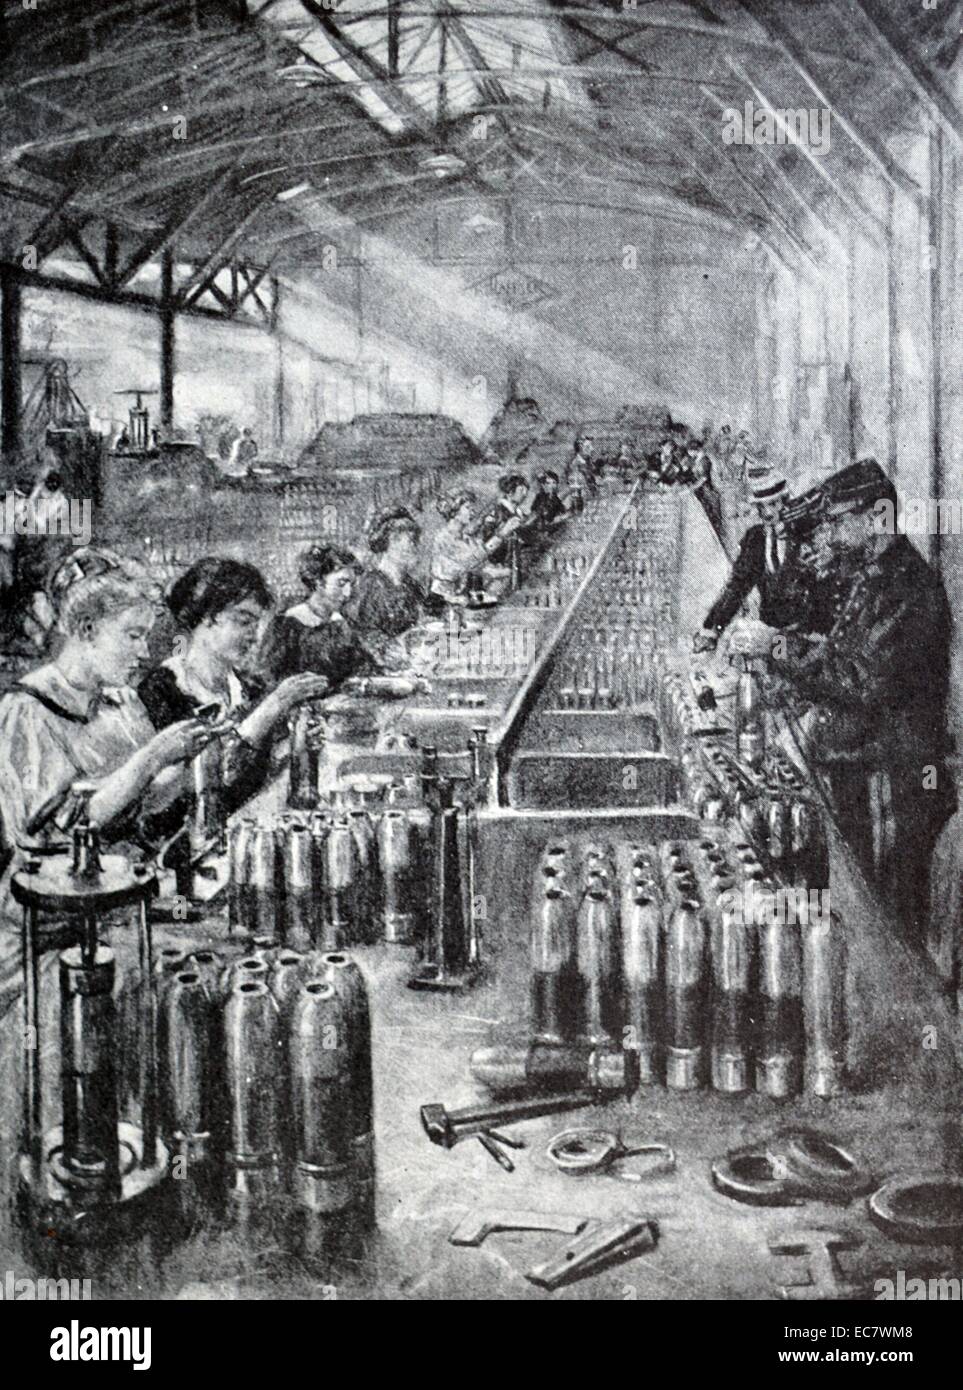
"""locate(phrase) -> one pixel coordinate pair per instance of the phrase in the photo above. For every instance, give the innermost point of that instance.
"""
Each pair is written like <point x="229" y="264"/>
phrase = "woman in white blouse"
<point x="75" y="720"/>
<point x="455" y="554"/>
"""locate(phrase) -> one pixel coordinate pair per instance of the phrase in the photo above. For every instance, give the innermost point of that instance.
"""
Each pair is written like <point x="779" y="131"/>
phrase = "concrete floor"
<point x="709" y="1246"/>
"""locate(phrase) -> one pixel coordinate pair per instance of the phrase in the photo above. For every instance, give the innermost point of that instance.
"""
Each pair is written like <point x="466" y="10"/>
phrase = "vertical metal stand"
<point x="148" y="1118"/>
<point x="93" y="1170"/>
<point x="31" y="1074"/>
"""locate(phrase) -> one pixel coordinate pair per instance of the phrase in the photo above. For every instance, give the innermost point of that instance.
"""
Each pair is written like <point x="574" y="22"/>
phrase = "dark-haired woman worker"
<point x="387" y="599"/>
<point x="314" y="635"/>
<point x="218" y="606"/>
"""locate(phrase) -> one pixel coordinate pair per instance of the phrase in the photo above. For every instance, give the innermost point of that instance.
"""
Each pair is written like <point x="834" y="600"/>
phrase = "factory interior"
<point x="477" y="786"/>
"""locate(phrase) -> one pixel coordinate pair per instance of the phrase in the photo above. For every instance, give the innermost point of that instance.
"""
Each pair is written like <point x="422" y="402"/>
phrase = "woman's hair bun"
<point x="386" y="524"/>
<point x="91" y="584"/>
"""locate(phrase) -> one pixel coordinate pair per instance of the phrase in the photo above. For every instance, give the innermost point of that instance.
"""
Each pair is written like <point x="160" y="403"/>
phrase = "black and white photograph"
<point x="481" y="732"/>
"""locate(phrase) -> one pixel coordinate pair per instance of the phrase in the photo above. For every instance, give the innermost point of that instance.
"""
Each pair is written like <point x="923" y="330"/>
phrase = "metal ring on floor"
<point x="920" y="1207"/>
<point x="750" y="1176"/>
<point x="825" y="1167"/>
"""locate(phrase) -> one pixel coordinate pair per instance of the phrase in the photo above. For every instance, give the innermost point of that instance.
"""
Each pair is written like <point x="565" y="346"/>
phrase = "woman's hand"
<point x="296" y="689"/>
<point x="178" y="743"/>
<point x="293" y="691"/>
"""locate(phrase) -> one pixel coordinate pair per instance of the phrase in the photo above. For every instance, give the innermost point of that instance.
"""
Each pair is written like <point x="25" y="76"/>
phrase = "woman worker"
<point x="76" y="720"/>
<point x="315" y="635"/>
<point x="456" y="554"/>
<point x="387" y="599"/>
<point x="218" y="606"/>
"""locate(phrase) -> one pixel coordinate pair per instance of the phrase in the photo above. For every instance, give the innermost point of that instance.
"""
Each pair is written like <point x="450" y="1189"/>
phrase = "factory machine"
<point x="621" y="859"/>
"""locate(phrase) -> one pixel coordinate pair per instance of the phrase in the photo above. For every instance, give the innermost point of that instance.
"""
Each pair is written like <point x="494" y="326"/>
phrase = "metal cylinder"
<point x="302" y="760"/>
<point x="252" y="1053"/>
<point x="85" y="848"/>
<point x="479" y="753"/>
<point x="801" y="841"/>
<point x="366" y="908"/>
<point x="685" y="952"/>
<point x="552" y="946"/>
<point x="90" y="1155"/>
<point x="348" y="982"/>
<point x="428" y="772"/>
<point x="642" y="982"/>
<point x="206" y="818"/>
<point x="731" y="940"/>
<point x="187" y="1066"/>
<point x="596" y="969"/>
<point x="167" y="961"/>
<point x="779" y="1041"/>
<point x="286" y="975"/>
<point x="240" y="916"/>
<point x="302" y="889"/>
<point x="262" y="882"/>
<point x="778" y="827"/>
<point x="824" y="1004"/>
<point x="542" y="1067"/>
<point x="321" y="1105"/>
<point x="449" y="948"/>
<point x="398" y="864"/>
<point x="341" y="871"/>
<point x="672" y="853"/>
<point x="248" y="967"/>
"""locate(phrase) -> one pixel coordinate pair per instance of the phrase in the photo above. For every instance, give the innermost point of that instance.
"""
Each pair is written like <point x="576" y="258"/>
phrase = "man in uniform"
<point x="876" y="691"/>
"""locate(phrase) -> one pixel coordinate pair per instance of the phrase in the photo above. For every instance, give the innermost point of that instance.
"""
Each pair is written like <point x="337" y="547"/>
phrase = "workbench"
<point x="903" y="1056"/>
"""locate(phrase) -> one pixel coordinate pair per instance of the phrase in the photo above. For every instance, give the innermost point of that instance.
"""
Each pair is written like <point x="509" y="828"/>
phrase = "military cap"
<point x="857" y="487"/>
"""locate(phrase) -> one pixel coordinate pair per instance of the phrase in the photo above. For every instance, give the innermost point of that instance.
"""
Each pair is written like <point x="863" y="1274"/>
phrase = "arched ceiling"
<point x="259" y="123"/>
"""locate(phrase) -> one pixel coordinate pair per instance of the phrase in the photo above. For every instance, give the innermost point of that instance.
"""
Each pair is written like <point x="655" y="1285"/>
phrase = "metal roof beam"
<point x="849" y="200"/>
<point x="796" y="53"/>
<point x="911" y="67"/>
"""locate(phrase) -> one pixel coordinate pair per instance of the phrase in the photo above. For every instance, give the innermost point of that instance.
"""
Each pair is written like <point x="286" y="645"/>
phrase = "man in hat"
<point x="876" y="692"/>
<point x="767" y="551"/>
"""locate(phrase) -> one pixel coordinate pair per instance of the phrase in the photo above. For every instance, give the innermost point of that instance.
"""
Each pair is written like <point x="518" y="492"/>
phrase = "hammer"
<point x="446" y="1127"/>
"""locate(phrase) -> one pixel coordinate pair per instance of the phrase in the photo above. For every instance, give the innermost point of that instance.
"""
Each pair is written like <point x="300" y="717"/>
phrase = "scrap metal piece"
<point x="821" y="1247"/>
<point x="623" y="1238"/>
<point x="829" y="1171"/>
<point x="749" y="1175"/>
<point x="598" y="1150"/>
<point x="793" y="1165"/>
<point x="475" y="1227"/>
